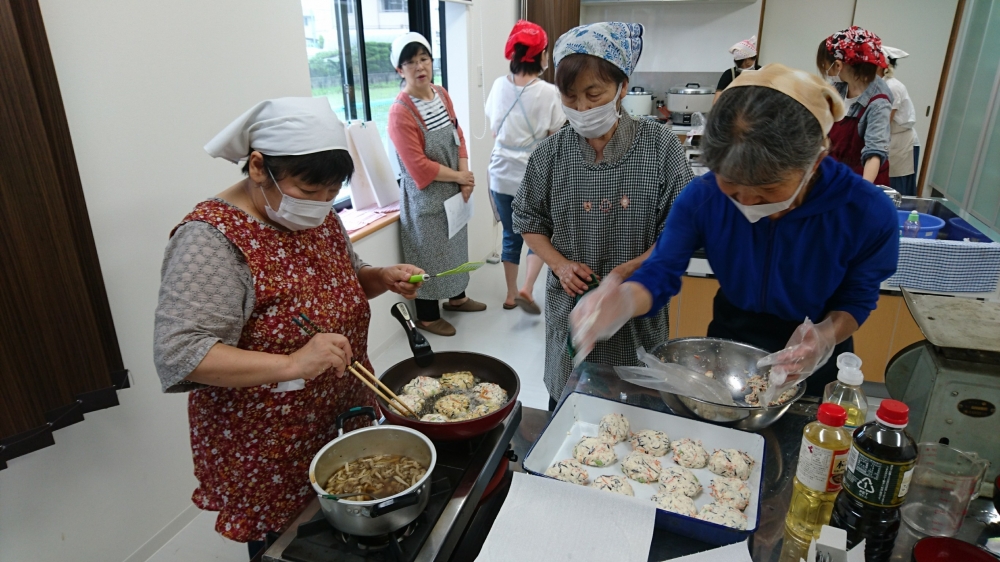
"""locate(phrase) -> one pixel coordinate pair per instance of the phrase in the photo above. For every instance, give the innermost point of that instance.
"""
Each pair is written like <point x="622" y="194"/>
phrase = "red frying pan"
<point x="429" y="364"/>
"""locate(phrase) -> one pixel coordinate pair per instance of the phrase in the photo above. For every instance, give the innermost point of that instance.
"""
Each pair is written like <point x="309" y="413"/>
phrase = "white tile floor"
<point x="511" y="335"/>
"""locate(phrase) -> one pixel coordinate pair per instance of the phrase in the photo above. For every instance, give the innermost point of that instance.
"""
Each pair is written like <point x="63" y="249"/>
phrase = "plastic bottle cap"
<point x="833" y="415"/>
<point x="914" y="216"/>
<point x="850" y="369"/>
<point x="893" y="413"/>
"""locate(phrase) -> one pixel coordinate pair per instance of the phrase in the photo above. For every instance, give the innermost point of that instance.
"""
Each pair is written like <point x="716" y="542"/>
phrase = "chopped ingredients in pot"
<point x="375" y="476"/>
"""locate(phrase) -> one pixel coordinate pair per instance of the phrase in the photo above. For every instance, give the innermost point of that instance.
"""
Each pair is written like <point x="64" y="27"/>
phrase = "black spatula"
<point x="419" y="345"/>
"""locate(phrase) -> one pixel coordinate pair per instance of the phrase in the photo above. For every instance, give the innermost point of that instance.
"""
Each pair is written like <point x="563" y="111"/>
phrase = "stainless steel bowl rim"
<point x="357" y="432"/>
<point x="801" y="387"/>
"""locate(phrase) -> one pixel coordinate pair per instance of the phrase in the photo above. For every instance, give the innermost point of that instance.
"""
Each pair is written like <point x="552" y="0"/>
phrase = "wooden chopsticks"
<point x="310" y="329"/>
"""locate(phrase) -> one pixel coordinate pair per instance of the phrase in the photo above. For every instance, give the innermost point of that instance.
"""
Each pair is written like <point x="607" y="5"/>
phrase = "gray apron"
<point x="423" y="224"/>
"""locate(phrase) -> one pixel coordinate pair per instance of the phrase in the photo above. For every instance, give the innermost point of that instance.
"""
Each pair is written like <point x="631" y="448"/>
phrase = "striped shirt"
<point x="433" y="112"/>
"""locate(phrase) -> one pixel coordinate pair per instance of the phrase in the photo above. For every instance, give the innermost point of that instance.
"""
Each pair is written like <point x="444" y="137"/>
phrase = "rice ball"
<point x="424" y="387"/>
<point x="731" y="463"/>
<point x="490" y="392"/>
<point x="690" y="453"/>
<point x="723" y="515"/>
<point x="651" y="442"/>
<point x="613" y="483"/>
<point x="462" y="380"/>
<point x="676" y="503"/>
<point x="454" y="406"/>
<point x="568" y="471"/>
<point x="679" y="480"/>
<point x="434" y="418"/>
<point x="613" y="427"/>
<point x="592" y="451"/>
<point x="733" y="492"/>
<point x="641" y="468"/>
<point x="411" y="401"/>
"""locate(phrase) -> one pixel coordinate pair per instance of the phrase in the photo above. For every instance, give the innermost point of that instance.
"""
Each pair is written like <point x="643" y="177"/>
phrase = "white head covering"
<point x="281" y="127"/>
<point x="744" y="49"/>
<point x="894" y="53"/>
<point x="399" y="43"/>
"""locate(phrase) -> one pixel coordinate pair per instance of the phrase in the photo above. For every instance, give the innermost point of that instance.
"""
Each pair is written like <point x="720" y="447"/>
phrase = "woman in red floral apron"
<point x="264" y="396"/>
<point x="850" y="60"/>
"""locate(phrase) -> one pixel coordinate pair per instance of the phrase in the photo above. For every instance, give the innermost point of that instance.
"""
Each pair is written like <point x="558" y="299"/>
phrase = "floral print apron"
<point x="252" y="447"/>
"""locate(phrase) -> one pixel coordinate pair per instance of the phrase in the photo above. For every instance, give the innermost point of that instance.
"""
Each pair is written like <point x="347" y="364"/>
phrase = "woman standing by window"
<point x="435" y="167"/>
<point x="523" y="110"/>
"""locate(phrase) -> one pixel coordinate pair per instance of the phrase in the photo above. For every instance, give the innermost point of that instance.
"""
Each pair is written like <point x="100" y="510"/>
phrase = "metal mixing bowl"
<point x="731" y="363"/>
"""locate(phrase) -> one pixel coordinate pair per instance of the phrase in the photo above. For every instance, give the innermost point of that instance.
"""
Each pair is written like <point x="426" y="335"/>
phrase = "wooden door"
<point x="556" y="17"/>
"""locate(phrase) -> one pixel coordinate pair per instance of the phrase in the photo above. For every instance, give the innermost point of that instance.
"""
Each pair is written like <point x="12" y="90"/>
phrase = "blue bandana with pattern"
<point x="616" y="42"/>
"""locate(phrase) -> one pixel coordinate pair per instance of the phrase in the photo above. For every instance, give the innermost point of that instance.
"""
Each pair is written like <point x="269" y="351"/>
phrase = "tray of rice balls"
<point x="704" y="479"/>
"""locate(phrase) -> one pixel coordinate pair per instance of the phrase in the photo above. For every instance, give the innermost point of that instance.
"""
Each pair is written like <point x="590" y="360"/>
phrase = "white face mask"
<point x="596" y="121"/>
<point x="754" y="213"/>
<point x="833" y="79"/>
<point x="296" y="214"/>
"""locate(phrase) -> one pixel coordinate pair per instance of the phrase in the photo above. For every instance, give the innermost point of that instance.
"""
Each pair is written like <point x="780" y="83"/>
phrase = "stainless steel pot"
<point x="374" y="517"/>
<point x="731" y="363"/>
<point x="690" y="98"/>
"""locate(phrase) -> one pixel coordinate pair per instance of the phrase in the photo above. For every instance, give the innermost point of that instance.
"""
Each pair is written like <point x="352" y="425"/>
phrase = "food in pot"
<point x="568" y="471"/>
<point x="732" y="463"/>
<point x="613" y="427"/>
<point x="677" y="479"/>
<point x="411" y="401"/>
<point x="677" y="503"/>
<point x="454" y="406"/>
<point x="723" y="515"/>
<point x="434" y="418"/>
<point x="613" y="483"/>
<point x="375" y="476"/>
<point x="424" y="387"/>
<point x="462" y="380"/>
<point x="592" y="451"/>
<point x="730" y="491"/>
<point x="490" y="392"/>
<point x="641" y="467"/>
<point x="690" y="453"/>
<point x="651" y="442"/>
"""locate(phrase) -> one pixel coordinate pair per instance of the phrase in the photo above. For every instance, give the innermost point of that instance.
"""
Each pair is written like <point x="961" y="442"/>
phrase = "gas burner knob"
<point x="511" y="455"/>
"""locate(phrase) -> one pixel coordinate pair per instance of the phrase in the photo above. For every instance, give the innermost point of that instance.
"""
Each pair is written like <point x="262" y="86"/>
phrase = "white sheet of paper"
<point x="738" y="552"/>
<point x="287" y="386"/>
<point x="459" y="213"/>
<point x="544" y="520"/>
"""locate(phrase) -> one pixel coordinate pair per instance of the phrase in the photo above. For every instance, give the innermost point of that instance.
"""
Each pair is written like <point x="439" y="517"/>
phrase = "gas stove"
<point x="459" y="479"/>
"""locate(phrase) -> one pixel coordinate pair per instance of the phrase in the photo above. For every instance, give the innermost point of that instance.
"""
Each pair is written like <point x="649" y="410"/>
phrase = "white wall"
<point x="922" y="29"/>
<point x="793" y="29"/>
<point x="476" y="38"/>
<point x="145" y="86"/>
<point x="684" y="36"/>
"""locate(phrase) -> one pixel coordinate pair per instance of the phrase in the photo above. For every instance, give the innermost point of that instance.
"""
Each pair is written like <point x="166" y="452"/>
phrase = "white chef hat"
<point x="399" y="43"/>
<point x="281" y="127"/>
<point x="894" y="53"/>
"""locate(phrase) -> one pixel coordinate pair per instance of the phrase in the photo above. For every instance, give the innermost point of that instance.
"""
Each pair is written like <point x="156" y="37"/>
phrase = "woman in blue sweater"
<point x="790" y="233"/>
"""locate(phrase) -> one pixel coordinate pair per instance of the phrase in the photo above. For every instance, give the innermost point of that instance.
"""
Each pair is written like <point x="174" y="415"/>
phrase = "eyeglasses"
<point x="413" y="63"/>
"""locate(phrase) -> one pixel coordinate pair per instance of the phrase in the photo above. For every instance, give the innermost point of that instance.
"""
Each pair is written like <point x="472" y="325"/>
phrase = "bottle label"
<point x="820" y="469"/>
<point x="877" y="482"/>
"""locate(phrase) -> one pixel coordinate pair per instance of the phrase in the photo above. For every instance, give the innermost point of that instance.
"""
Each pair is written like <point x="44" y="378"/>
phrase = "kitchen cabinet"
<point x="889" y="328"/>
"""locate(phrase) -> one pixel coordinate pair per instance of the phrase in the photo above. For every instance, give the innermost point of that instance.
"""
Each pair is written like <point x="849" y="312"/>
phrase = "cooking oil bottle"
<point x="818" y="478"/>
<point x="846" y="391"/>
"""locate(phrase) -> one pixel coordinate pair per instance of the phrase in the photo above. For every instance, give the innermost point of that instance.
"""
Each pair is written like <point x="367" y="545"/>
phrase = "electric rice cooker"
<point x="638" y="102"/>
<point x="683" y="101"/>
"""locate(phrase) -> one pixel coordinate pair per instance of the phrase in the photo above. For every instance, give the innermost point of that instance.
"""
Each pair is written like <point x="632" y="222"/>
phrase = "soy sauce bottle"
<point x="879" y="469"/>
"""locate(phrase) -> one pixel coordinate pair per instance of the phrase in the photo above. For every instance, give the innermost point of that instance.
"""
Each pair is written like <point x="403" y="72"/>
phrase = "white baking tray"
<point x="578" y="416"/>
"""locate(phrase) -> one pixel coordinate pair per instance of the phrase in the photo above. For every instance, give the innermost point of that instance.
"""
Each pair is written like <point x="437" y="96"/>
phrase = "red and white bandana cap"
<point x="855" y="45"/>
<point x="745" y="49"/>
<point x="531" y="35"/>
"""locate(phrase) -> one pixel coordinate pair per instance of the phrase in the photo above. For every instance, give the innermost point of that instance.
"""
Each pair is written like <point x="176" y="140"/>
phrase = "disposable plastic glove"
<point x="598" y="316"/>
<point x="809" y="348"/>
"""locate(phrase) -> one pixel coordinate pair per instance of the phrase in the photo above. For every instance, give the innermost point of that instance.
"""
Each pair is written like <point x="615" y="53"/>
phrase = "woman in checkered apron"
<point x="798" y="241"/>
<point x="596" y="193"/>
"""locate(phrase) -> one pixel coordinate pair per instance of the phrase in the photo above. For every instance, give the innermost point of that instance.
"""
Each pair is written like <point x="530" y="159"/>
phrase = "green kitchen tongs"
<point x="464" y="268"/>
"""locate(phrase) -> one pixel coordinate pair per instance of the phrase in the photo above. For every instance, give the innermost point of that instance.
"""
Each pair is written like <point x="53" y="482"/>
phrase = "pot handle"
<point x="692" y="85"/>
<point x="419" y="345"/>
<point x="394" y="504"/>
<point x="353" y="413"/>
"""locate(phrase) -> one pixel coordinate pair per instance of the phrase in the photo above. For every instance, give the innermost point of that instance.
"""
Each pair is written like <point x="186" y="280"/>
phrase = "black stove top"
<point x="459" y="478"/>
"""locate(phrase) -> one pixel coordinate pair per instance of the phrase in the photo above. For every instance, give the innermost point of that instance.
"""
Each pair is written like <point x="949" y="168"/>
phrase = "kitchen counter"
<point x="783" y="440"/>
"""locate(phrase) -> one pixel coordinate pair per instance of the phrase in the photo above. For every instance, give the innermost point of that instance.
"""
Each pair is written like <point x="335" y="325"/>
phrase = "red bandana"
<point x="528" y="34"/>
<point x="856" y="45"/>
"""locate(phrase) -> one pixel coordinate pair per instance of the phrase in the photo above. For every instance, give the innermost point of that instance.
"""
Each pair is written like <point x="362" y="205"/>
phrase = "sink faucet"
<point x="896" y="197"/>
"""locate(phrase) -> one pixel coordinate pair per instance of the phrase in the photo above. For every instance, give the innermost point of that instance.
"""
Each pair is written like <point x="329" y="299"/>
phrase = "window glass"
<point x="384" y="20"/>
